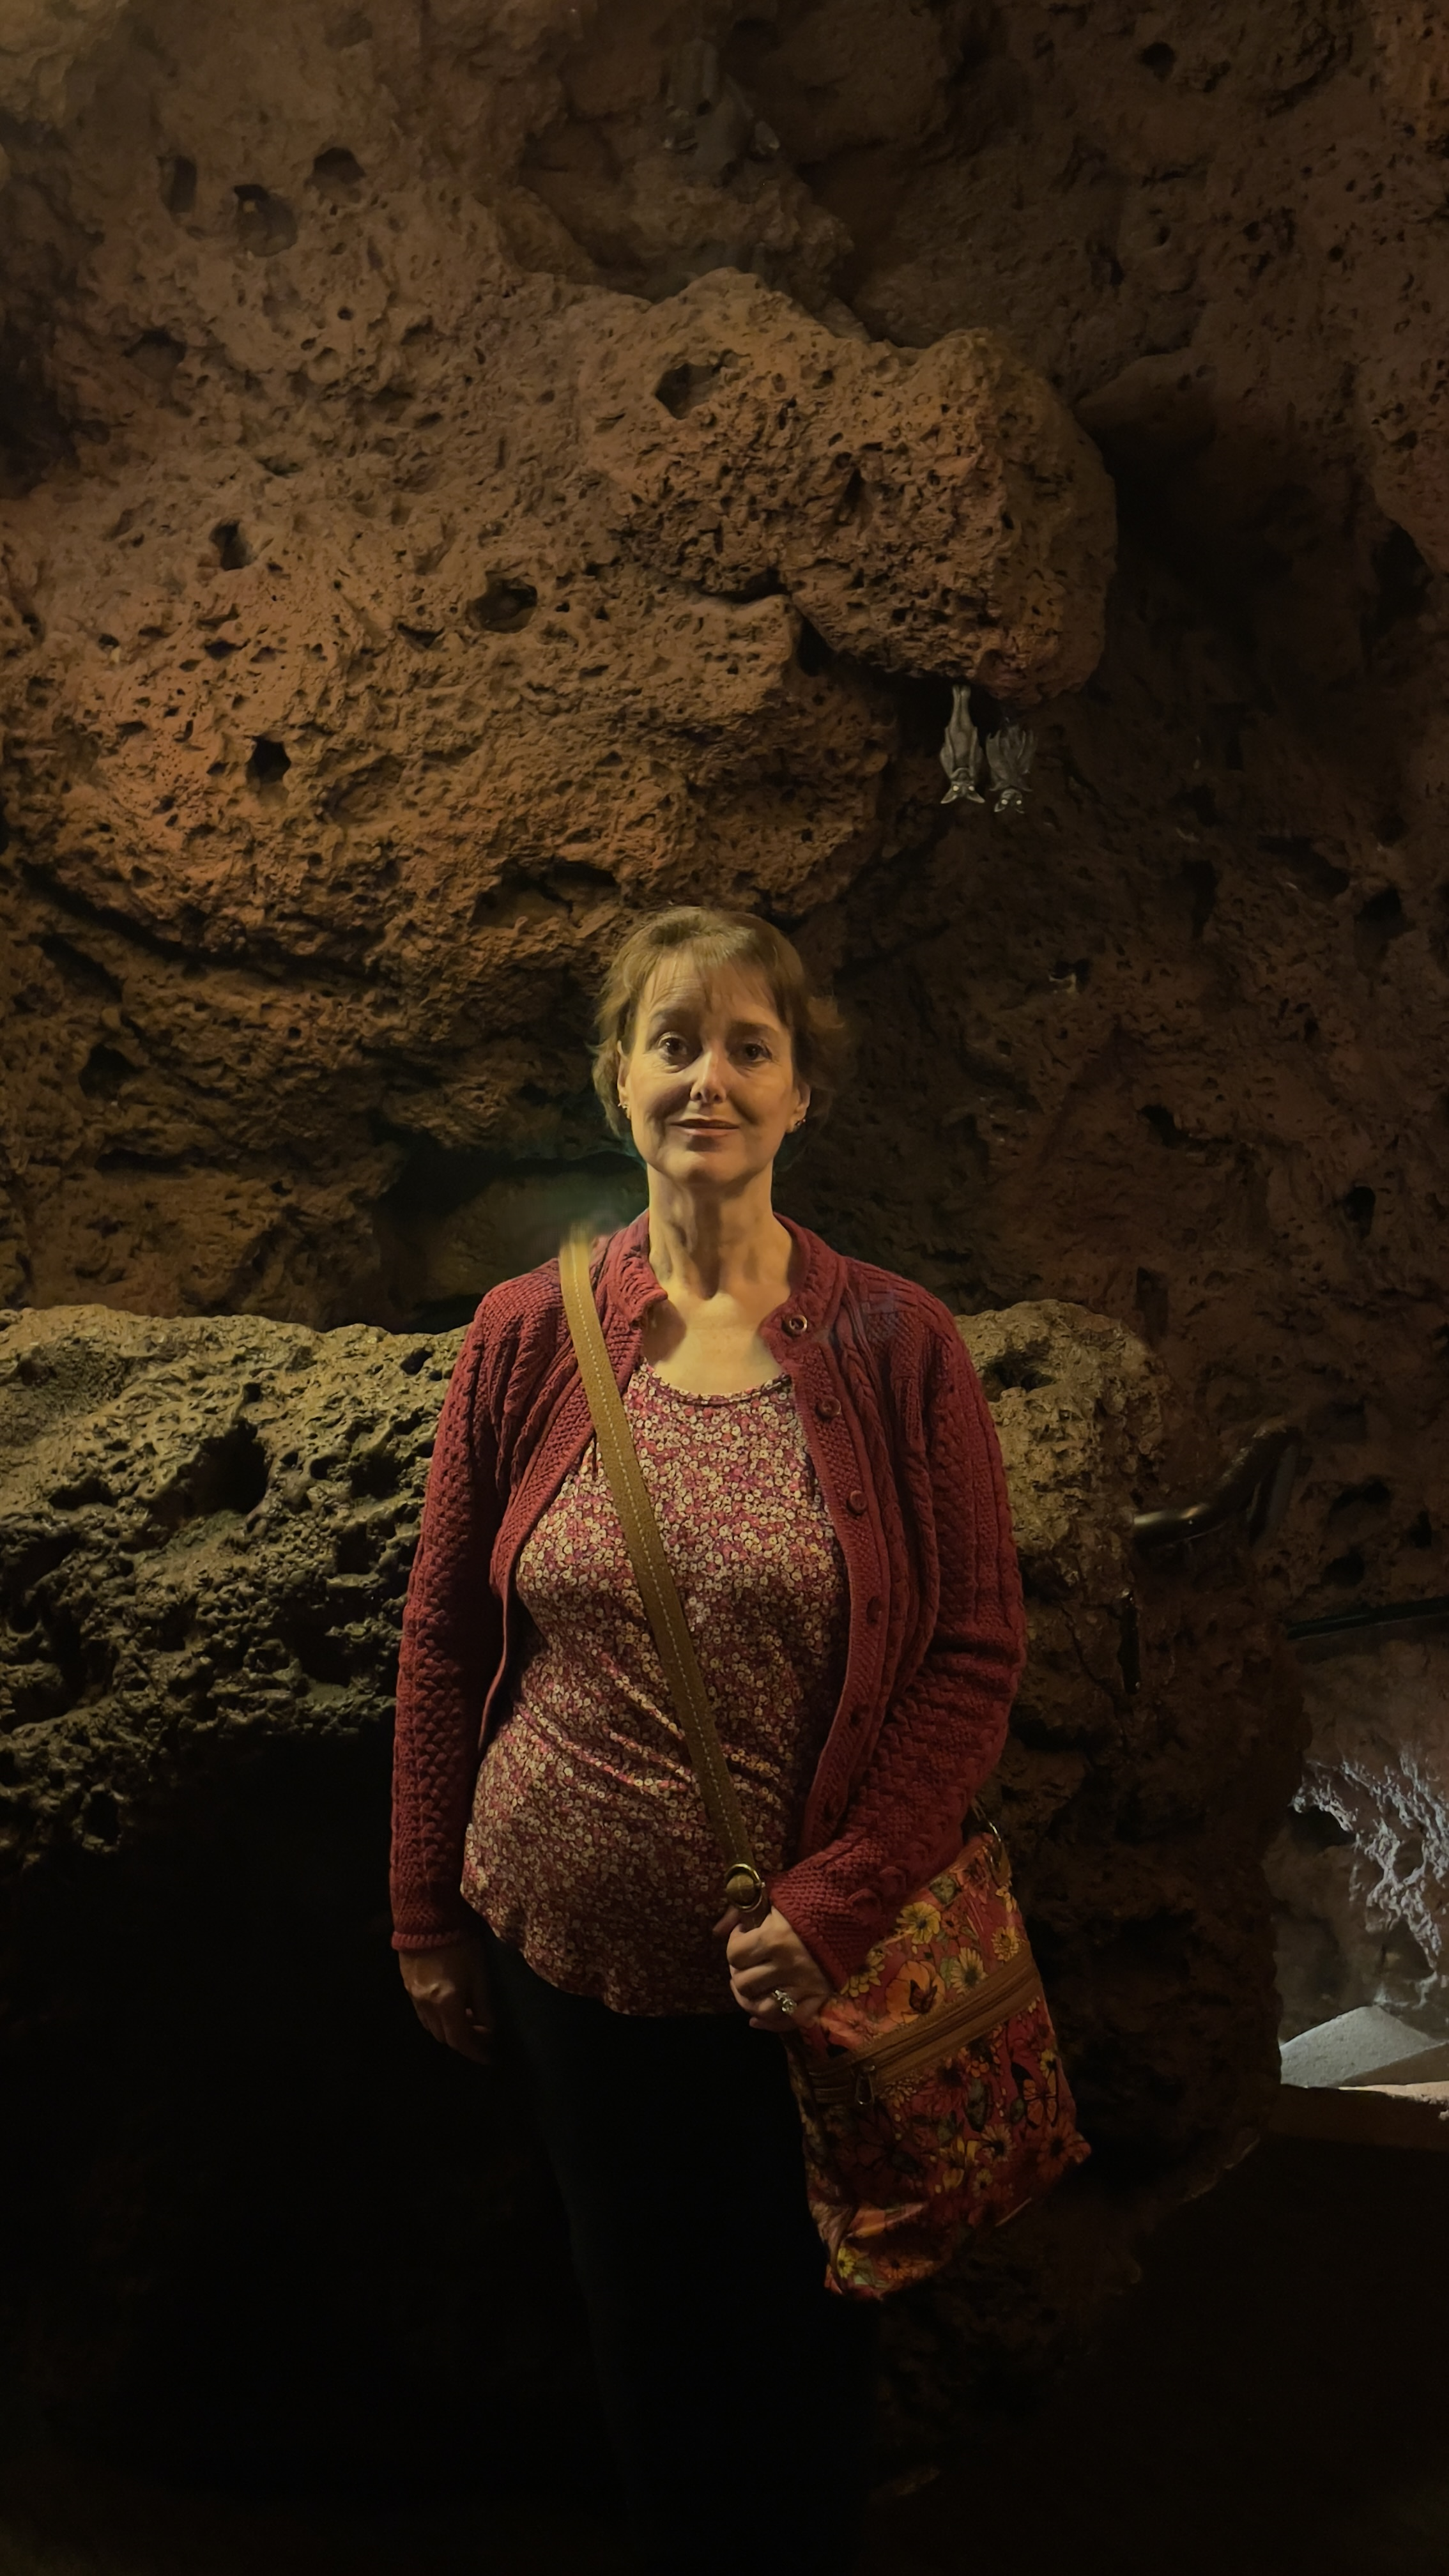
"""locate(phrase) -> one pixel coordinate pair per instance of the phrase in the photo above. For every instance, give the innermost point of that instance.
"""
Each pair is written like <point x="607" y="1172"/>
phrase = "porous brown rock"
<point x="205" y="1529"/>
<point x="1170" y="1042"/>
<point x="339" y="659"/>
<point x="933" y="511"/>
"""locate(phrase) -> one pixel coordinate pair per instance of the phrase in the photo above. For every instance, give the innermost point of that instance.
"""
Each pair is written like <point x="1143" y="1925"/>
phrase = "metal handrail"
<point x="1377" y="1614"/>
<point x="1255" y="1489"/>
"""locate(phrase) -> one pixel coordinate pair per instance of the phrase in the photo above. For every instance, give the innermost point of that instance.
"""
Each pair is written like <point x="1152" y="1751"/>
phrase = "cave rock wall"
<point x="471" y="472"/>
<point x="205" y="1530"/>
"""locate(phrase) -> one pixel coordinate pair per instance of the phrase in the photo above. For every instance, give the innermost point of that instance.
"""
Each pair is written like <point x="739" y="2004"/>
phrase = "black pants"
<point x="738" y="2389"/>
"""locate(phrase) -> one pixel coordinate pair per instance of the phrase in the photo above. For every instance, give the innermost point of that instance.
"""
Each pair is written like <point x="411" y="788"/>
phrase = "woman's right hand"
<point x="449" y="1990"/>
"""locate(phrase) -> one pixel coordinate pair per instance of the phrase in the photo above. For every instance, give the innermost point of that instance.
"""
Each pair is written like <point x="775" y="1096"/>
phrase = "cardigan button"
<point x="794" y="1323"/>
<point x="828" y="1407"/>
<point x="855" y="1500"/>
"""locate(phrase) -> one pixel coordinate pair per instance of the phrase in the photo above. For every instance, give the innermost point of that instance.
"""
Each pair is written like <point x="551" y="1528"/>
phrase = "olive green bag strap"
<point x="657" y="1588"/>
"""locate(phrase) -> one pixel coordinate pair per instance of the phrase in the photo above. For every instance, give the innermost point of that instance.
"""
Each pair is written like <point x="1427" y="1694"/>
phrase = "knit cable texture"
<point x="911" y="1474"/>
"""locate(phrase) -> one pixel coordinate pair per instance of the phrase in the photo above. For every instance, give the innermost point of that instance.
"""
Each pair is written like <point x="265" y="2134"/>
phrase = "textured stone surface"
<point x="41" y="41"/>
<point x="934" y="511"/>
<point x="204" y="1534"/>
<point x="304" y="1041"/>
<point x="1360" y="1870"/>
<point x="340" y="661"/>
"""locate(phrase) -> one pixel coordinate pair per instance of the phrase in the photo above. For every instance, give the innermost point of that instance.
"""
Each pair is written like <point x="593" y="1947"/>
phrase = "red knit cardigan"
<point x="908" y="1464"/>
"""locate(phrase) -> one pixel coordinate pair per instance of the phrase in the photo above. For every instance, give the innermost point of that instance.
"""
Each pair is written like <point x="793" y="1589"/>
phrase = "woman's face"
<point x="708" y="1084"/>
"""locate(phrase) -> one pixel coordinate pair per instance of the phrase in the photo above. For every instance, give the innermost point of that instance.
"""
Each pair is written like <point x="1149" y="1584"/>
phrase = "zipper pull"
<point x="865" y="2088"/>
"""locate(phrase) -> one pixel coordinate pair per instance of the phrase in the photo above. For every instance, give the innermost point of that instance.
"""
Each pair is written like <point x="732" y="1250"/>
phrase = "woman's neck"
<point x="703" y="1245"/>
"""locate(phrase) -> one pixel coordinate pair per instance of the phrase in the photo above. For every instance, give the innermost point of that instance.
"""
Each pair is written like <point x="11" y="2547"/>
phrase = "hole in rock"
<point x="1158" y="59"/>
<point x="1345" y="1571"/>
<point x="1151" y="1299"/>
<point x="355" y="1549"/>
<point x="90" y="1488"/>
<point x="373" y="1470"/>
<point x="1420" y="1532"/>
<point x="681" y="388"/>
<point x="219" y="649"/>
<point x="1402" y="576"/>
<point x="233" y="552"/>
<point x="84" y="1669"/>
<point x="337" y="172"/>
<point x="1314" y="1829"/>
<point x="158" y="355"/>
<point x="812" y="653"/>
<point x="504" y="608"/>
<point x="269" y="763"/>
<point x="1358" y="1206"/>
<point x="1375" y="924"/>
<point x="1015" y="1368"/>
<point x="173" y="1626"/>
<point x="1163" y="1125"/>
<point x="1364" y="1502"/>
<point x="104" y="1072"/>
<point x="264" y="224"/>
<point x="850" y="499"/>
<point x="178" y="184"/>
<point x="1311" y="872"/>
<point x="79" y="970"/>
<point x="228" y="1474"/>
<point x="102" y="1816"/>
<point x="321" y="1654"/>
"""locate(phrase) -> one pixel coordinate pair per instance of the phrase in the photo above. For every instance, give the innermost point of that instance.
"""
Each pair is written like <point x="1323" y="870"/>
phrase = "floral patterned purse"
<point x="931" y="2090"/>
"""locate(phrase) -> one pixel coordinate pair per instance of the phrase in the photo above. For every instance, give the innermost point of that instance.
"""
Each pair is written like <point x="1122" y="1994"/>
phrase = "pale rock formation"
<point x="1361" y="1869"/>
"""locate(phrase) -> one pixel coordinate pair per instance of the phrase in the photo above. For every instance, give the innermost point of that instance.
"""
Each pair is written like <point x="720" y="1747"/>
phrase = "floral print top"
<point x="589" y="1847"/>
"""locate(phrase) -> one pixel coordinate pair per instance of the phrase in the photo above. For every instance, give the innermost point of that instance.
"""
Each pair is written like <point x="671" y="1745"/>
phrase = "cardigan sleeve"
<point x="450" y="1645"/>
<point x="942" y="1733"/>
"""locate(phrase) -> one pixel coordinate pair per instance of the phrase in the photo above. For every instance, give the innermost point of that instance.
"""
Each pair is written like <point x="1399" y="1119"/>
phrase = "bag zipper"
<point x="865" y="2072"/>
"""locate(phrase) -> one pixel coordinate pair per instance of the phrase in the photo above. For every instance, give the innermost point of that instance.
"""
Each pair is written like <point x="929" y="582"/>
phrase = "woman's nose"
<point x="708" y="1080"/>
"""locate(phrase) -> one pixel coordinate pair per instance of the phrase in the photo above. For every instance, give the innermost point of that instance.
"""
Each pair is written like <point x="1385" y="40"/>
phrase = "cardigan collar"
<point x="629" y="1281"/>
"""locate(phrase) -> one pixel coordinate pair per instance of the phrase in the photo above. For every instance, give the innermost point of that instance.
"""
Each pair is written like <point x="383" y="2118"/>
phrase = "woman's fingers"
<point x="449" y="1991"/>
<point x="459" y="2030"/>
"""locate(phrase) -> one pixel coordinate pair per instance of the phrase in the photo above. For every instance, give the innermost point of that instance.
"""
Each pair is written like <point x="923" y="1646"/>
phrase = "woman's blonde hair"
<point x="718" y="939"/>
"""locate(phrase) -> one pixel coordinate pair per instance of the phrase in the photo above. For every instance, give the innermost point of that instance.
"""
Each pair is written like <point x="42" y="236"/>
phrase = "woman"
<point x="830" y="1494"/>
